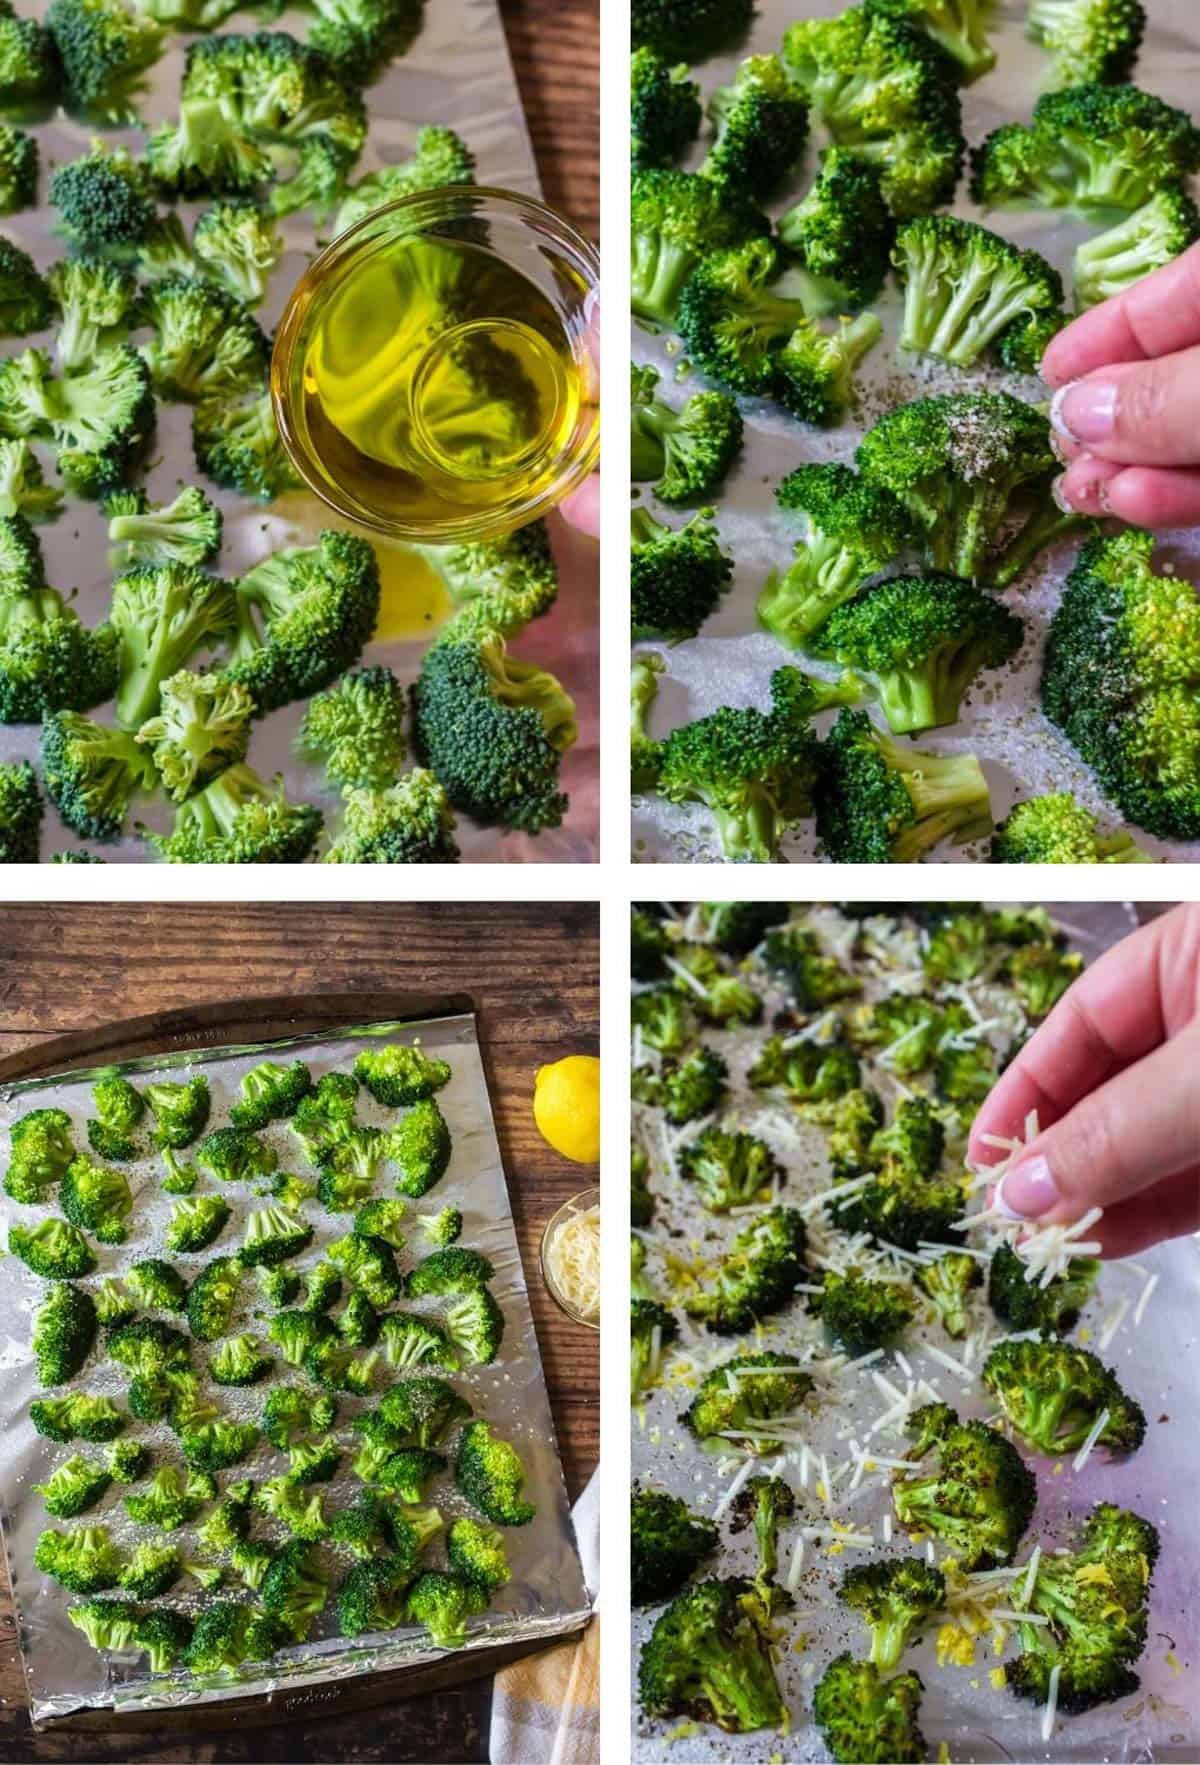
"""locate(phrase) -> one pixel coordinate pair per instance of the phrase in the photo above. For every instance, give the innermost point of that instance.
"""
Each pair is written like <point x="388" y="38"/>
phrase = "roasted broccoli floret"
<point x="909" y="1202"/>
<point x="1057" y="829"/>
<point x="40" y="1150"/>
<point x="489" y="1474"/>
<point x="859" y="1313"/>
<point x="840" y="235"/>
<point x="74" y="1486"/>
<point x="82" y="1561"/>
<point x="1054" y="1394"/>
<point x="948" y="1283"/>
<point x="1039" y="975"/>
<point x="895" y="1599"/>
<point x="764" y="1503"/>
<point x="867" y="1720"/>
<point x="1089" y="147"/>
<point x="677" y="220"/>
<point x="667" y="1544"/>
<point x="980" y="1498"/>
<point x="1026" y="1305"/>
<point x="1088" y="39"/>
<point x="730" y="1168"/>
<point x="442" y="1601"/>
<point x="692" y="1087"/>
<point x="965" y="287"/>
<point x="756" y="1276"/>
<point x="709" y="1655"/>
<point x="217" y="1445"/>
<point x="665" y="110"/>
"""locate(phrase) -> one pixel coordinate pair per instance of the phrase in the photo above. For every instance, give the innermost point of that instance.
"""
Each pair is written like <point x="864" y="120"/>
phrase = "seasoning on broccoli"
<point x="398" y="1074"/>
<point x="709" y="1655"/>
<point x="1054" y="1395"/>
<point x="1026" y="1304"/>
<point x="978" y="1500"/>
<point x="864" y="1717"/>
<point x="756" y="1276"/>
<point x="489" y="1473"/>
<point x="213" y="1296"/>
<point x="728" y="1408"/>
<point x="410" y="1341"/>
<point x="54" y="1250"/>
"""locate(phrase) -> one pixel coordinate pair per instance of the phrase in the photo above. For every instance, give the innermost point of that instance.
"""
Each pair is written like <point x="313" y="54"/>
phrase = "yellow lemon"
<point x="566" y="1107"/>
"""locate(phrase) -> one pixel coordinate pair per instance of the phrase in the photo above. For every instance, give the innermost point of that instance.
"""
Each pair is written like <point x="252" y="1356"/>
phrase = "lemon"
<point x="566" y="1107"/>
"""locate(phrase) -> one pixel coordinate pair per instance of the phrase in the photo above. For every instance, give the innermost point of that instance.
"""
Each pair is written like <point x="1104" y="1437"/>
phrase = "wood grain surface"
<point x="555" y="47"/>
<point x="533" y="971"/>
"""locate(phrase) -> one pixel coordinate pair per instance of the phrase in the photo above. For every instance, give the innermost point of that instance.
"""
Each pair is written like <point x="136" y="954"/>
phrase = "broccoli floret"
<point x="82" y="1561"/>
<point x="442" y="1601"/>
<point x="104" y="200"/>
<point x="410" y="1341"/>
<point x="102" y="418"/>
<point x="362" y="1528"/>
<point x="814" y="1075"/>
<point x="18" y="169"/>
<point x="499" y="584"/>
<point x="293" y="1590"/>
<point x="1039" y="975"/>
<point x="895" y="1599"/>
<point x="442" y="1229"/>
<point x="718" y="996"/>
<point x="270" y="1092"/>
<point x="217" y="1445"/>
<point x="237" y="241"/>
<point x="853" y="1121"/>
<point x="453" y="1270"/>
<point x="114" y="1303"/>
<point x="948" y="1282"/>
<point x="840" y="234"/>
<point x="1057" y="829"/>
<point x="151" y="1570"/>
<point x="441" y="158"/>
<point x="26" y="301"/>
<point x="397" y="1075"/>
<point x="40" y="1151"/>
<point x="373" y="1597"/>
<point x="164" y="1637"/>
<point x="677" y="575"/>
<point x="1053" y="1394"/>
<point x="73" y="1486"/>
<point x="692" y="1087"/>
<point x="1089" y="147"/>
<point x="814" y="980"/>
<point x="752" y="769"/>
<point x="30" y="70"/>
<point x="958" y="26"/>
<point x="420" y="1411"/>
<point x="1088" y="39"/>
<point x="105" y="48"/>
<point x="477" y="1553"/>
<point x="731" y="1168"/>
<point x="23" y="490"/>
<point x="236" y="1155"/>
<point x="760" y="121"/>
<point x="867" y="1720"/>
<point x="475" y="1324"/>
<point x="956" y="462"/>
<point x="909" y="1202"/>
<point x="163" y="614"/>
<point x="361" y="36"/>
<point x="652" y="1328"/>
<point x="764" y="1503"/>
<point x="273" y="1235"/>
<point x="906" y="1028"/>
<point x="667" y="1544"/>
<point x="665" y="110"/>
<point x="966" y="286"/>
<point x="663" y="1016"/>
<point x="290" y="1413"/>
<point x="408" y="1470"/>
<point x="709" y="1655"/>
<point x="276" y="87"/>
<point x="96" y="302"/>
<point x="409" y="823"/>
<point x="1152" y="236"/>
<point x="180" y="1110"/>
<point x="185" y="531"/>
<point x="49" y="660"/>
<point x="205" y="153"/>
<point x="148" y="1347"/>
<point x="322" y="1288"/>
<point x="369" y="1265"/>
<point x="97" y="1199"/>
<point x="54" y="1250"/>
<point x="1026" y="1305"/>
<point x="127" y="1461"/>
<point x="645" y="754"/>
<point x="213" y="1296"/>
<point x="357" y="729"/>
<point x="677" y="220"/>
<point x="756" y="1276"/>
<point x="489" y="1474"/>
<point x="239" y="819"/>
<point x="205" y="344"/>
<point x="683" y="30"/>
<point x="980" y="1498"/>
<point x="202" y="727"/>
<point x="861" y="1314"/>
<point x="237" y="445"/>
<point x="239" y="1361"/>
<point x="65" y="1419"/>
<point x="689" y="451"/>
<point x="107" y="1624"/>
<point x="219" y="1641"/>
<point x="851" y="530"/>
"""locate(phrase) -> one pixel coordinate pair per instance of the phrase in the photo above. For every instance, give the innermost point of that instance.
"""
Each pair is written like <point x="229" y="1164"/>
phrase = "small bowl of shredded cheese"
<point x="571" y="1258"/>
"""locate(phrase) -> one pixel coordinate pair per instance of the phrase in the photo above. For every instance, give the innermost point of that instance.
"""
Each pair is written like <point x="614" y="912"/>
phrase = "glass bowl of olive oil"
<point x="434" y="374"/>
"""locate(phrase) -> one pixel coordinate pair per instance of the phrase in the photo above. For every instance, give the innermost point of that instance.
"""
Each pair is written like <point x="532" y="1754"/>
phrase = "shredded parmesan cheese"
<point x="1051" y="1704"/>
<point x="1143" y="1302"/>
<point x="1094" y="1432"/>
<point x="572" y="1258"/>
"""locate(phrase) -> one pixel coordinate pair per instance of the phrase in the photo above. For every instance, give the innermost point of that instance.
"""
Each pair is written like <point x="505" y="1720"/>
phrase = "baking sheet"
<point x="1156" y="1363"/>
<point x="546" y="1594"/>
<point x="731" y="661"/>
<point x="457" y="73"/>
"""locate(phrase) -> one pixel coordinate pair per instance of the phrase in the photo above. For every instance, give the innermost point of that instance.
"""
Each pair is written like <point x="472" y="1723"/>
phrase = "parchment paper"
<point x="546" y="1594"/>
<point x="731" y="661"/>
<point x="1155" y="1362"/>
<point x="457" y="73"/>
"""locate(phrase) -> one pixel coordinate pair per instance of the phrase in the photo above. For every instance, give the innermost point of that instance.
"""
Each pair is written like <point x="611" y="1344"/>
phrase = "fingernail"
<point x="1058" y="490"/>
<point x="1085" y="411"/>
<point x="1027" y="1191"/>
<point x="1058" y="448"/>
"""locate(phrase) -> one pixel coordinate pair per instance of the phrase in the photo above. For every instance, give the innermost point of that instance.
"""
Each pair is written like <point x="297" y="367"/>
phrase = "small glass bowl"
<point x="522" y="233"/>
<point x="577" y="1204"/>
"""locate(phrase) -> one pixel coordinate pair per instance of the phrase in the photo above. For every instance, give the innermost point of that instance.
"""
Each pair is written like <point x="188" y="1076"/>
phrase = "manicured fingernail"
<point x="1058" y="490"/>
<point x="1027" y="1191"/>
<point x="1058" y="448"/>
<point x="1085" y="411"/>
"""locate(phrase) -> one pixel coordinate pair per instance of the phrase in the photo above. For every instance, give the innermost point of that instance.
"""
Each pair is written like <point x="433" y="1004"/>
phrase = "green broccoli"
<point x="1053" y="1395"/>
<point x="665" y="111"/>
<point x="357" y="729"/>
<point x="180" y="1110"/>
<point x="205" y="344"/>
<point x="477" y="1553"/>
<point x="30" y="70"/>
<point x="114" y="1302"/>
<point x="410" y="1341"/>
<point x="399" y="1074"/>
<point x="219" y="1640"/>
<point x="1088" y="39"/>
<point x="104" y="200"/>
<point x="202" y="727"/>
<point x="909" y="1202"/>
<point x="1153" y="235"/>
<point x="1039" y="975"/>
<point x="453" y="1270"/>
<point x="239" y="819"/>
<point x="475" y="1324"/>
<point x="667" y="1544"/>
<point x="163" y="614"/>
<point x="867" y="1720"/>
<point x="107" y="1624"/>
<point x="26" y="300"/>
<point x="683" y="30"/>
<point x="184" y="531"/>
<point x="73" y="1487"/>
<point x="980" y="1498"/>
<point x="23" y="490"/>
<point x="236" y="240"/>
<point x="18" y="169"/>
<point x="237" y="445"/>
<point x="83" y="1561"/>
<point x="678" y="575"/>
<point x="678" y="220"/>
<point x="55" y="1250"/>
<point x="764" y="1503"/>
<point x="290" y="1413"/>
<point x="127" y="1460"/>
<point x="489" y="1474"/>
<point x="49" y="660"/>
<point x="965" y="287"/>
<point x="205" y="153"/>
<point x="760" y="124"/>
<point x="861" y="1314"/>
<point x="645" y="754"/>
<point x="878" y="802"/>
<point x="409" y="823"/>
<point x="148" y="1347"/>
<point x="96" y="303"/>
<point x="709" y="1655"/>
<point x="368" y="1264"/>
<point x="293" y="1590"/>
<point x="442" y="1229"/>
<point x="65" y="1419"/>
<point x="441" y="158"/>
<point x="40" y="1151"/>
<point x="731" y="1168"/>
<point x="165" y="1637"/>
<point x="756" y="1276"/>
<point x="216" y="1445"/>
<point x="1057" y="829"/>
<point x="236" y="1155"/>
<point x="1024" y="1304"/>
<point x="443" y="1600"/>
<point x="151" y="1570"/>
<point x="815" y="1076"/>
<point x="948" y="1282"/>
<point x="840" y="235"/>
<point x="239" y="1361"/>
<point x="373" y="1597"/>
<point x="96" y="1199"/>
<point x="213" y="1296"/>
<point x="959" y="27"/>
<point x="692" y="1087"/>
<point x="105" y="48"/>
<point x="688" y="452"/>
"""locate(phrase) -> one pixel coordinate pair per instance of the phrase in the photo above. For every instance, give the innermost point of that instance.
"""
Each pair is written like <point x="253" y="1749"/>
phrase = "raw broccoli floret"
<point x="411" y="822"/>
<point x="861" y="1314"/>
<point x="441" y="158"/>
<point x="477" y="1552"/>
<point x="410" y="1341"/>
<point x="127" y="1460"/>
<point x="30" y="70"/>
<point x="756" y="1276"/>
<point x="82" y="1561"/>
<point x="276" y="87"/>
<point x="664" y="111"/>
<point x="180" y="1110"/>
<point x="237" y="241"/>
<point x="373" y="1596"/>
<point x="1089" y="147"/>
<point x="1153" y="235"/>
<point x="368" y="1264"/>
<point x="678" y="575"/>
<point x="236" y="1155"/>
<point x="184" y="531"/>
<point x="1088" y="39"/>
<point x="322" y="1288"/>
<point x="73" y="1486"/>
<point x="239" y="819"/>
<point x="867" y="1720"/>
<point x="489" y="1474"/>
<point x="163" y="614"/>
<point x="76" y="1418"/>
<point x="105" y="48"/>
<point x="420" y="1147"/>
<point x="442" y="1228"/>
<point x="1057" y="829"/>
<point x="237" y="445"/>
<point x="270" y="1092"/>
<point x="239" y="1361"/>
<point x="151" y="1570"/>
<point x="293" y="1590"/>
<point x="49" y="660"/>
<point x="54" y="1250"/>
<point x="96" y="303"/>
<point x="216" y="1445"/>
<point x="965" y="287"/>
<point x="357" y="729"/>
<point x="645" y="754"/>
<point x="202" y="727"/>
<point x="840" y="234"/>
<point x="397" y="1075"/>
<point x="359" y="1323"/>
<point x="23" y="490"/>
<point x="980" y="1498"/>
<point x="290" y="1413"/>
<point x="688" y="452"/>
<point x="148" y="1347"/>
<point x="678" y="219"/>
<point x="731" y="1168"/>
<point x="453" y="1270"/>
<point x="709" y="1655"/>
<point x="360" y="37"/>
<point x="760" y="121"/>
<point x="689" y="30"/>
<point x="205" y="153"/>
<point x="851" y="530"/>
<point x="26" y="301"/>
<point x="164" y="1637"/>
<point x="349" y="1166"/>
<point x="102" y="418"/>
<point x="40" y="1150"/>
<point x="104" y="200"/>
<point x="1053" y="1394"/>
<point x="498" y="584"/>
<point x="97" y="1199"/>
<point x="114" y="1302"/>
<point x="213" y="1296"/>
<point x="956" y="462"/>
<point x="948" y="1282"/>
<point x="107" y="1624"/>
<point x="408" y="1470"/>
<point x="205" y="345"/>
<point x="219" y="1641"/>
<point x="959" y="27"/>
<point x="442" y="1601"/>
<point x="420" y="1411"/>
<point x="475" y="1324"/>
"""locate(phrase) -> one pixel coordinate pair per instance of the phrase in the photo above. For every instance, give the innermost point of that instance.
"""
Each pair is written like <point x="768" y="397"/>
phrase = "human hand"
<point x="582" y="508"/>
<point x="1112" y="1074"/>
<point x="1126" y="412"/>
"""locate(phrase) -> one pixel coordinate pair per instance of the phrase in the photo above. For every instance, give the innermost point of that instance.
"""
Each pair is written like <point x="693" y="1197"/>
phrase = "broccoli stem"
<point x="750" y="832"/>
<point x="949" y="795"/>
<point x="823" y="577"/>
<point x="740" y="1684"/>
<point x="659" y="271"/>
<point x="1047" y="524"/>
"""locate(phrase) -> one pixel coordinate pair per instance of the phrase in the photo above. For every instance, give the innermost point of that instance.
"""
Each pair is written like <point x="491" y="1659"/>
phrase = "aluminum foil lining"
<point x="731" y="661"/>
<point x="457" y="73"/>
<point x="546" y="1595"/>
<point x="1156" y="1363"/>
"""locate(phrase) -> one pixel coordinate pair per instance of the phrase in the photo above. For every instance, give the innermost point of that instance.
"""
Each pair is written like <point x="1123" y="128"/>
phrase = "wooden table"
<point x="533" y="972"/>
<point x="555" y="46"/>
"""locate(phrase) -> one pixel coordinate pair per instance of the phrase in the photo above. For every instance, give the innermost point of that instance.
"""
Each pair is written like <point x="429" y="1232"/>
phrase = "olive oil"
<point x="438" y="383"/>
